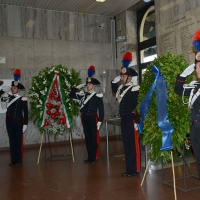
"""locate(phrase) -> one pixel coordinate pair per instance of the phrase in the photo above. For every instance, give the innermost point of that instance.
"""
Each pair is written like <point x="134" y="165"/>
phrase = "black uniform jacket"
<point x="195" y="110"/>
<point x="18" y="108"/>
<point x="90" y="108"/>
<point x="129" y="101"/>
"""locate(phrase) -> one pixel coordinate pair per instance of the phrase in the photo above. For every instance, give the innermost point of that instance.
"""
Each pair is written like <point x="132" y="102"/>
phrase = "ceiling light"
<point x="100" y="0"/>
<point x="147" y="1"/>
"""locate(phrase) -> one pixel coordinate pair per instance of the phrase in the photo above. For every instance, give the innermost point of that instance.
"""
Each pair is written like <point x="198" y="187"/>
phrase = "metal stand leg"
<point x="49" y="144"/>
<point x="185" y="164"/>
<point x="107" y="139"/>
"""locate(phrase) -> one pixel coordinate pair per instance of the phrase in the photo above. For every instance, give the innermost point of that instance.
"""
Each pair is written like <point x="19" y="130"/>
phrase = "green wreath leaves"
<point x="178" y="113"/>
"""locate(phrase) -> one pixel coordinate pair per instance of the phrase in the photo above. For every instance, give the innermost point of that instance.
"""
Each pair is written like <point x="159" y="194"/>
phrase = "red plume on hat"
<point x="17" y="74"/>
<point x="127" y="59"/>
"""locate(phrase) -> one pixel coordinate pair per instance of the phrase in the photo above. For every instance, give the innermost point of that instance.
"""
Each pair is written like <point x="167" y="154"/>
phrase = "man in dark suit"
<point x="16" y="119"/>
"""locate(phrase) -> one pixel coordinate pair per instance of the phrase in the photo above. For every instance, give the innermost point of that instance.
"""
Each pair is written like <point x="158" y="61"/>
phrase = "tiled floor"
<point x="65" y="180"/>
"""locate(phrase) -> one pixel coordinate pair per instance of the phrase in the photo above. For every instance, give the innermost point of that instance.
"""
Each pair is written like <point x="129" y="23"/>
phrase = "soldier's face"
<point x="125" y="78"/>
<point x="90" y="86"/>
<point x="14" y="89"/>
<point x="198" y="69"/>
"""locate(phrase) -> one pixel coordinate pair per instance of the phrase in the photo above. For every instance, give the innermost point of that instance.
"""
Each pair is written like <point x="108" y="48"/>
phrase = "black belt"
<point x="89" y="113"/>
<point x="13" y="116"/>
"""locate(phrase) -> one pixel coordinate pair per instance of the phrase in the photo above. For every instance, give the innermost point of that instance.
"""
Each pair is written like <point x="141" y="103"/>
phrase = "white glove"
<point x="116" y="80"/>
<point x="24" y="128"/>
<point x="134" y="80"/>
<point x="80" y="86"/>
<point x="135" y="126"/>
<point x="188" y="70"/>
<point x="98" y="125"/>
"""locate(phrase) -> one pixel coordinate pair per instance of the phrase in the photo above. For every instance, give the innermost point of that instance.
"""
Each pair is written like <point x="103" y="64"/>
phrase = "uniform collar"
<point x="90" y="92"/>
<point x="10" y="93"/>
<point x="128" y="84"/>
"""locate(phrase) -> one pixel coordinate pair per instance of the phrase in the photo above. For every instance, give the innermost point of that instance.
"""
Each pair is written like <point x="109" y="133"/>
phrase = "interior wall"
<point x="36" y="38"/>
<point x="176" y="24"/>
<point x="126" y="25"/>
<point x="32" y="39"/>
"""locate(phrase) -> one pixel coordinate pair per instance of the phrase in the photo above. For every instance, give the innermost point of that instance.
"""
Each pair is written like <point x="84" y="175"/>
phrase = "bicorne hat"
<point x="89" y="79"/>
<point x="17" y="75"/>
<point x="126" y="70"/>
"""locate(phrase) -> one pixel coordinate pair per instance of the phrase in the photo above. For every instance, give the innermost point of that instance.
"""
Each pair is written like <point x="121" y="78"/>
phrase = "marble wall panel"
<point x="43" y="53"/>
<point x="78" y="52"/>
<point x="131" y="27"/>
<point x="50" y="27"/>
<point x="96" y="29"/>
<point x="14" y="20"/>
<point x="28" y="26"/>
<point x="106" y="56"/>
<point x="81" y="28"/>
<point x="7" y="50"/>
<point x="38" y="53"/>
<point x="61" y="52"/>
<point x="47" y="24"/>
<point x="121" y="20"/>
<point x="167" y="10"/>
<point x="89" y="28"/>
<point x="23" y="53"/>
<point x="32" y="135"/>
<point x="3" y="20"/>
<point x="107" y="30"/>
<point x="58" y="24"/>
<point x="73" y="26"/>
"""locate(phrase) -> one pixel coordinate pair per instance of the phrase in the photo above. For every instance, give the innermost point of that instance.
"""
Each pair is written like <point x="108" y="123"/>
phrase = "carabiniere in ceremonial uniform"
<point x="193" y="91"/>
<point x="16" y="120"/>
<point x="127" y="95"/>
<point x="92" y="114"/>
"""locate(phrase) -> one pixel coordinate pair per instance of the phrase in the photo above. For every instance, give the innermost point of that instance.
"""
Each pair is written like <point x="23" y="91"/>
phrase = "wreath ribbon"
<point x="56" y="81"/>
<point x="161" y="96"/>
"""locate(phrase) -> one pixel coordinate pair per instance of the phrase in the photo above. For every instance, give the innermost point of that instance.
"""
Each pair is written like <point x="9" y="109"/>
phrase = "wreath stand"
<point x="174" y="183"/>
<point x="185" y="165"/>
<point x="51" y="156"/>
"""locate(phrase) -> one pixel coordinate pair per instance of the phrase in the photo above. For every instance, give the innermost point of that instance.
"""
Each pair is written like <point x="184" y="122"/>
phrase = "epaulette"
<point x="99" y="94"/>
<point x="24" y="99"/>
<point x="5" y="94"/>
<point x="135" y="88"/>
<point x="81" y="93"/>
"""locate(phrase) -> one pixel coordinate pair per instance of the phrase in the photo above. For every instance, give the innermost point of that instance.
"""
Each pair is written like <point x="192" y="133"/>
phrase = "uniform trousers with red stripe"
<point x="90" y="127"/>
<point x="14" y="129"/>
<point x="131" y="144"/>
<point x="195" y="141"/>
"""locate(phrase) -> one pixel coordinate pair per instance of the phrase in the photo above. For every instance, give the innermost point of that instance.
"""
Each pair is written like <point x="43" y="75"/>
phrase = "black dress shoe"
<point x="94" y="160"/>
<point x="88" y="161"/>
<point x="11" y="164"/>
<point x="125" y="174"/>
<point x="18" y="163"/>
<point x="133" y="174"/>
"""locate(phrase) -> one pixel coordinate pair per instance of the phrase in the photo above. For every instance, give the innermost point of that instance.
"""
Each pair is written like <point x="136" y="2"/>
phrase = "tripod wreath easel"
<point x="174" y="182"/>
<point x="71" y="145"/>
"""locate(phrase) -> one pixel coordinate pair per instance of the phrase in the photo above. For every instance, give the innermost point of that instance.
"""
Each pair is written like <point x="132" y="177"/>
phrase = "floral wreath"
<point x="51" y="107"/>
